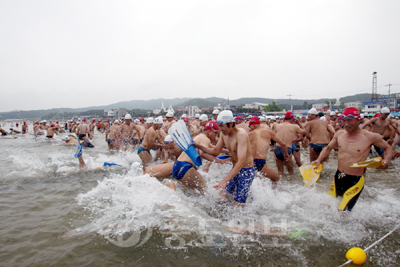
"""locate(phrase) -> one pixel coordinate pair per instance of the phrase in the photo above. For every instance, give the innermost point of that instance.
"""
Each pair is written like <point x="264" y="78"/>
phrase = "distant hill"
<point x="358" y="97"/>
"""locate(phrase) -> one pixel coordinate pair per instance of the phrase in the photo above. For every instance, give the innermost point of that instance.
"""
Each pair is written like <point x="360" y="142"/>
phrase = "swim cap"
<point x="52" y="125"/>
<point x="262" y="118"/>
<point x="66" y="138"/>
<point x="273" y="118"/>
<point x="351" y="111"/>
<point x="322" y="118"/>
<point x="333" y="113"/>
<point x="184" y="116"/>
<point x="116" y="121"/>
<point x="197" y="115"/>
<point x="254" y="120"/>
<point x="239" y="118"/>
<point x="136" y="121"/>
<point x="141" y="119"/>
<point x="289" y="115"/>
<point x="168" y="138"/>
<point x="312" y="111"/>
<point x="169" y="114"/>
<point x="362" y="116"/>
<point x="44" y="121"/>
<point x="225" y="116"/>
<point x="150" y="120"/>
<point x="249" y="117"/>
<point x="203" y="117"/>
<point x="37" y="122"/>
<point x="93" y="120"/>
<point x="215" y="112"/>
<point x="385" y="110"/>
<point x="83" y="119"/>
<point x="158" y="120"/>
<point x="328" y="111"/>
<point x="186" y="119"/>
<point x="320" y="114"/>
<point x="377" y="115"/>
<point x="128" y="117"/>
<point x="211" y="125"/>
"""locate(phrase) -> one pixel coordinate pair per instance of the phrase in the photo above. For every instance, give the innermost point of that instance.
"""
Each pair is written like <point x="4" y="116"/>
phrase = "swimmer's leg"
<point x="145" y="156"/>
<point x="289" y="164"/>
<point x="313" y="155"/>
<point x="159" y="171"/>
<point x="270" y="173"/>
<point x="171" y="185"/>
<point x="296" y="156"/>
<point x="279" y="165"/>
<point x="194" y="180"/>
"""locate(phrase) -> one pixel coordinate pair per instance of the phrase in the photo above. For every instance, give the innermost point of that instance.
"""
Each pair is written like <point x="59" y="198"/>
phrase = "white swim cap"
<point x="169" y="114"/>
<point x="385" y="110"/>
<point x="184" y="115"/>
<point x="225" y="116"/>
<point x="168" y="138"/>
<point x="116" y="121"/>
<point x="197" y="115"/>
<point x="215" y="112"/>
<point x="66" y="138"/>
<point x="158" y="120"/>
<point x="203" y="117"/>
<point x="273" y="118"/>
<point x="249" y="117"/>
<point x="361" y="116"/>
<point x="313" y="111"/>
<point x="323" y="118"/>
<point x="128" y="117"/>
<point x="136" y="121"/>
<point x="262" y="118"/>
<point x="333" y="113"/>
<point x="44" y="121"/>
<point x="328" y="111"/>
<point x="149" y="120"/>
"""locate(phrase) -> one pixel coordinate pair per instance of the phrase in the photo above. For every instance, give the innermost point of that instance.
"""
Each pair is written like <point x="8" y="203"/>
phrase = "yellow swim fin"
<point x="309" y="173"/>
<point x="369" y="163"/>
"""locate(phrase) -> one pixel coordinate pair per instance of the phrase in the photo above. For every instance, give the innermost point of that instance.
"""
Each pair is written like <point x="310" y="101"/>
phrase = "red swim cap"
<point x="352" y="111"/>
<point x="377" y="115"/>
<point x="289" y="115"/>
<point x="83" y="119"/>
<point x="254" y="120"/>
<point x="211" y="125"/>
<point x="240" y="117"/>
<point x="186" y="119"/>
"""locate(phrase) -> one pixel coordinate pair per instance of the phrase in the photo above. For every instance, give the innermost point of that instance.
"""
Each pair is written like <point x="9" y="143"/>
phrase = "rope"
<point x="373" y="244"/>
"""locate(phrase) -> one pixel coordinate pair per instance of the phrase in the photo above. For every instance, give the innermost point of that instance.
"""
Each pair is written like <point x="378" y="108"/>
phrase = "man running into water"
<point x="150" y="140"/>
<point x="240" y="124"/>
<point x="260" y="140"/>
<point x="287" y="132"/>
<point x="51" y="131"/>
<point x="354" y="146"/>
<point x="318" y="132"/>
<point x="112" y="135"/>
<point x="237" y="141"/>
<point x="169" y="122"/>
<point x="92" y="125"/>
<point x="83" y="130"/>
<point x="380" y="125"/>
<point x="24" y="128"/>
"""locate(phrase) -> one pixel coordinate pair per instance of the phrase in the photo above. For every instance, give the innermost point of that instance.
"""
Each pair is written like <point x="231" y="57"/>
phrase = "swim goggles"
<point x="350" y="116"/>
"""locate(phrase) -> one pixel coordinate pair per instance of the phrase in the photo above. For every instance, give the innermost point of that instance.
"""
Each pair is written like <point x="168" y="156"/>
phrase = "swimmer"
<point x="215" y="114"/>
<point x="260" y="140"/>
<point x="126" y="132"/>
<point x="318" y="132"/>
<point x="150" y="140"/>
<point x="192" y="129"/>
<point x="24" y="128"/>
<point x="203" y="119"/>
<point x="91" y="129"/>
<point x="70" y="139"/>
<point x="83" y="130"/>
<point x="12" y="131"/>
<point x="170" y="149"/>
<point x="237" y="141"/>
<point x="240" y="124"/>
<point x="112" y="135"/>
<point x="170" y="120"/>
<point x="354" y="146"/>
<point x="287" y="132"/>
<point x="51" y="131"/>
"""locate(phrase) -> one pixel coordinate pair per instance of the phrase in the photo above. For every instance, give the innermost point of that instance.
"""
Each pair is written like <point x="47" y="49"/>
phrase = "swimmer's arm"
<point x="387" y="150"/>
<point x="368" y="123"/>
<point x="211" y="150"/>
<point x="331" y="131"/>
<point x="308" y="131"/>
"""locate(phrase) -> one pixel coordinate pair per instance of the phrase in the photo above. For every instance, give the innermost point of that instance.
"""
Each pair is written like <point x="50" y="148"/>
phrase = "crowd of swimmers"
<point x="245" y="141"/>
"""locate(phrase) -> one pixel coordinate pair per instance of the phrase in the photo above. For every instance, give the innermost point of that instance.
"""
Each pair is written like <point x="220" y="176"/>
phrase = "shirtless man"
<point x="333" y="119"/>
<point x="237" y="141"/>
<point x="240" y="124"/>
<point x="170" y="149"/>
<point x="70" y="139"/>
<point x="138" y="134"/>
<point x="380" y="125"/>
<point x="260" y="140"/>
<point x="43" y="125"/>
<point x="287" y="132"/>
<point x="112" y="135"/>
<point x="24" y="128"/>
<point x="263" y="123"/>
<point x="3" y="132"/>
<point x="215" y="114"/>
<point x="126" y="132"/>
<point x="203" y="119"/>
<point x="12" y="131"/>
<point x="170" y="120"/>
<point x="319" y="133"/>
<point x="92" y="125"/>
<point x="83" y="130"/>
<point x="192" y="129"/>
<point x="196" y="122"/>
<point x="51" y="131"/>
<point x="354" y="146"/>
<point x="150" y="141"/>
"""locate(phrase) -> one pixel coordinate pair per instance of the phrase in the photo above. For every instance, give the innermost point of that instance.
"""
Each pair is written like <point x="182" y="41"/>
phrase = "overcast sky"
<point x="57" y="53"/>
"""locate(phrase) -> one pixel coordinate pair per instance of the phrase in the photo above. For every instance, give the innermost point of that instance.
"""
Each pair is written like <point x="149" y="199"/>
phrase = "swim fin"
<point x="182" y="137"/>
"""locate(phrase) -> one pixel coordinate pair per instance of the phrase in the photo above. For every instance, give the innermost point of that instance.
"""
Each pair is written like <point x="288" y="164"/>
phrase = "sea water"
<point x="52" y="213"/>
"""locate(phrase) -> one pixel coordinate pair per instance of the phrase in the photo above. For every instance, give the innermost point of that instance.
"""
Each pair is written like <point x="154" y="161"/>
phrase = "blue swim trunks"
<point x="141" y="149"/>
<point x="278" y="151"/>
<point x="109" y="141"/>
<point x="180" y="168"/>
<point x="242" y="182"/>
<point x="259" y="164"/>
<point x="317" y="147"/>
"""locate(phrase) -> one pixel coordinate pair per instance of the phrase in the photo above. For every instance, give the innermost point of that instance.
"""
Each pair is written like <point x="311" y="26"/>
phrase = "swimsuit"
<point x="317" y="147"/>
<point x="87" y="144"/>
<point x="259" y="164"/>
<point x="109" y="141"/>
<point x="3" y="134"/>
<point x="242" y="182"/>
<point x="180" y="168"/>
<point x="347" y="186"/>
<point x="141" y="149"/>
<point x="23" y="132"/>
<point x="380" y="150"/>
<point x="134" y="141"/>
<point x="49" y="137"/>
<point x="81" y="136"/>
<point x="278" y="151"/>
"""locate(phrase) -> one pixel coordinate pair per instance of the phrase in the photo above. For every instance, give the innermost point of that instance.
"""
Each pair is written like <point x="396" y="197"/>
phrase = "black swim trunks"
<point x="81" y="136"/>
